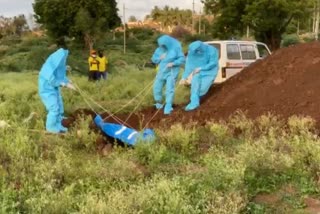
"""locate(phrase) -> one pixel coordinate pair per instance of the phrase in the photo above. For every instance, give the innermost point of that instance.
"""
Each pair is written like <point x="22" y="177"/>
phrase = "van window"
<point x="263" y="51"/>
<point x="248" y="52"/>
<point x="233" y="51"/>
<point x="218" y="47"/>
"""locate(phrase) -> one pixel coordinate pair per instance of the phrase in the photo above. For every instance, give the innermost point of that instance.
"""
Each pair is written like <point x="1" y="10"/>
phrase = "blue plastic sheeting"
<point x="124" y="134"/>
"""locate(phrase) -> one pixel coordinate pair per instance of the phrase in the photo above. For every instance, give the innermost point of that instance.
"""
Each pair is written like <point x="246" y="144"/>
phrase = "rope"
<point x="83" y="96"/>
<point x="44" y="132"/>
<point x="147" y="87"/>
<point x="86" y="101"/>
<point x="137" y="106"/>
<point x="36" y="131"/>
<point x="155" y="114"/>
<point x="112" y="115"/>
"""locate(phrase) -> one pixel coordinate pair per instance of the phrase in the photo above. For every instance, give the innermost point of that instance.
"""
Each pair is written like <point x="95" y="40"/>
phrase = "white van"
<point x="235" y="55"/>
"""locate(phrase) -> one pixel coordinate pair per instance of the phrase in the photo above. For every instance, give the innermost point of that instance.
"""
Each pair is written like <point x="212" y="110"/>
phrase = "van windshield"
<point x="218" y="47"/>
<point x="263" y="51"/>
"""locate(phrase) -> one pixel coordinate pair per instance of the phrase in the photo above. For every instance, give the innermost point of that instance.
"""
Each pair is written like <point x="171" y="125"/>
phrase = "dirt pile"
<point x="286" y="83"/>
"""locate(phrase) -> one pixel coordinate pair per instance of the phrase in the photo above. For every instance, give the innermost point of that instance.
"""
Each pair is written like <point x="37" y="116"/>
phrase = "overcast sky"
<point x="138" y="8"/>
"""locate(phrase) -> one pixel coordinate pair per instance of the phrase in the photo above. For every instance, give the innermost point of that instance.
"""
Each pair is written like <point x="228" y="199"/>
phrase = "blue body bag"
<point x="124" y="134"/>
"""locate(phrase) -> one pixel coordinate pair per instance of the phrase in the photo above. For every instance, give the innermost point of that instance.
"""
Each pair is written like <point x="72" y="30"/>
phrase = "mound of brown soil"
<point x="285" y="84"/>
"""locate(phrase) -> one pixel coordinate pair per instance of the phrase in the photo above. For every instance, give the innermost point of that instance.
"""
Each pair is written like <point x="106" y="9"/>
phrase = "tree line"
<point x="264" y="20"/>
<point x="13" y="26"/>
<point x="268" y="20"/>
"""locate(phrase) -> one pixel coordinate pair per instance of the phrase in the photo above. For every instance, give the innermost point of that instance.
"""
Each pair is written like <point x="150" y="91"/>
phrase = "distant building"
<point x="149" y="23"/>
<point x="141" y="24"/>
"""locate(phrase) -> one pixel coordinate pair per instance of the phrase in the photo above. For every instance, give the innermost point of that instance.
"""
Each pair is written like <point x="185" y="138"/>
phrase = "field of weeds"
<point x="237" y="166"/>
<point x="240" y="165"/>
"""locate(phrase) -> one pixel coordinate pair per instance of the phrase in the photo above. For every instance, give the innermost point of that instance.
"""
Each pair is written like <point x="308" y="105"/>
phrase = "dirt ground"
<point x="285" y="84"/>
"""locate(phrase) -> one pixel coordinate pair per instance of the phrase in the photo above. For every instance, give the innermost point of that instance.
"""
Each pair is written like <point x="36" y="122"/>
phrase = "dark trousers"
<point x="93" y="75"/>
<point x="103" y="75"/>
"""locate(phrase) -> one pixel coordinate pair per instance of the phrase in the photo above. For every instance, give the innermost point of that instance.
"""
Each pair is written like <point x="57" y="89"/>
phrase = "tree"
<point x="20" y="23"/>
<point x="202" y="26"/>
<point x="169" y="17"/>
<point x="316" y="18"/>
<point x="82" y="19"/>
<point x="132" y="19"/>
<point x="13" y="26"/>
<point x="268" y="19"/>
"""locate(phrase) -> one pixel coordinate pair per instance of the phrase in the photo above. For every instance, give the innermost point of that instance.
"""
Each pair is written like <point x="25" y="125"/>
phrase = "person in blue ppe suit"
<point x="169" y="57"/>
<point x="52" y="76"/>
<point x="158" y="55"/>
<point x="202" y="66"/>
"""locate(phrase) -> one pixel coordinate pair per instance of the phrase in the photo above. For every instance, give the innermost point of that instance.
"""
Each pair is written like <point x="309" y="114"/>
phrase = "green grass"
<point x="41" y="173"/>
<point x="223" y="167"/>
<point x="18" y="92"/>
<point x="29" y="53"/>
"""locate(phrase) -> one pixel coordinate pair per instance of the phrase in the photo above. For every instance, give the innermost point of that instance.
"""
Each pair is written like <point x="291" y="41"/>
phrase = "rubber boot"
<point x="158" y="105"/>
<point x="195" y="98"/>
<point x="52" y="124"/>
<point x="61" y="127"/>
<point x="168" y="109"/>
<point x="191" y="106"/>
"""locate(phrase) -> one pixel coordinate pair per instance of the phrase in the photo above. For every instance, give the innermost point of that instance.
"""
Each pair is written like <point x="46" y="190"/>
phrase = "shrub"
<point x="288" y="40"/>
<point x="179" y="139"/>
<point x="191" y="38"/>
<point x="220" y="132"/>
<point x="224" y="173"/>
<point x="180" y="32"/>
<point x="241" y="126"/>
<point x="142" y="33"/>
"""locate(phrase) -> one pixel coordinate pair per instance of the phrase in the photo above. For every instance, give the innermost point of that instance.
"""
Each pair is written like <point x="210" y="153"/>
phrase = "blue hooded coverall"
<point x="167" y="76"/>
<point x="205" y="57"/>
<point x="156" y="57"/>
<point x="53" y="75"/>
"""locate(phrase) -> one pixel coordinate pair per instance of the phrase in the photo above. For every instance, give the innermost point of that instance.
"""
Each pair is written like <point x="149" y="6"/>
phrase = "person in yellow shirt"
<point x="93" y="66"/>
<point x="103" y="62"/>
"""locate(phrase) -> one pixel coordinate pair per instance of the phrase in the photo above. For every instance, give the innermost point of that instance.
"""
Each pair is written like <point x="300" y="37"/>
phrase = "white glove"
<point x="170" y="65"/>
<point x="182" y="82"/>
<point x="69" y="68"/>
<point x="197" y="70"/>
<point x="70" y="86"/>
<point x="162" y="56"/>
